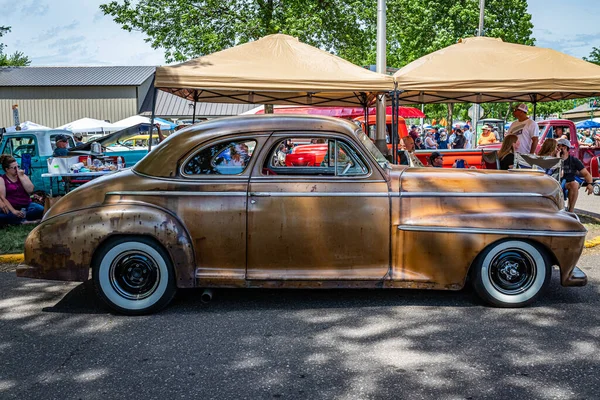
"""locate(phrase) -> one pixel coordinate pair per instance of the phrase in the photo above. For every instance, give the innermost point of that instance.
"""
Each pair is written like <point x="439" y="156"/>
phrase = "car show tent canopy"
<point x="140" y="119"/>
<point x="587" y="124"/>
<point x="88" y="125"/>
<point x="340" y="112"/>
<point x="28" y="126"/>
<point x="276" y="69"/>
<point x="483" y="69"/>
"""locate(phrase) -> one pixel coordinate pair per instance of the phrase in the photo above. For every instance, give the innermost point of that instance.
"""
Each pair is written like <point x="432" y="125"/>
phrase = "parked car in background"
<point x="39" y="147"/>
<point x="213" y="206"/>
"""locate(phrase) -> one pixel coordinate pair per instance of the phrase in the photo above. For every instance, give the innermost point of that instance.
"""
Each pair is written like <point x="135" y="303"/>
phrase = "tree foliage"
<point x="594" y="56"/>
<point x="186" y="29"/>
<point x="17" y="59"/>
<point x="190" y="28"/>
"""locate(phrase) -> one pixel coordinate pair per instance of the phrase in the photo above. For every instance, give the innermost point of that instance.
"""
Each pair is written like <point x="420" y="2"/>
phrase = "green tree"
<point x="594" y="56"/>
<point x="186" y="29"/>
<point x="420" y="27"/>
<point x="17" y="59"/>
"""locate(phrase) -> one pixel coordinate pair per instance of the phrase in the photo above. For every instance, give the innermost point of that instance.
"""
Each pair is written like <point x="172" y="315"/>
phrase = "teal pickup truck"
<point x="40" y="147"/>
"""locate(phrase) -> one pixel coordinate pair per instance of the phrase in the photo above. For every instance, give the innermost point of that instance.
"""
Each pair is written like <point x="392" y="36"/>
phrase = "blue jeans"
<point x="34" y="211"/>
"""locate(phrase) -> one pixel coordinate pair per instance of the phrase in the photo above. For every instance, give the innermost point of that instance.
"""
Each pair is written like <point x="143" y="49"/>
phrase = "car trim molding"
<point x="173" y="193"/>
<point x="520" y="232"/>
<point x="467" y="194"/>
<point x="319" y="194"/>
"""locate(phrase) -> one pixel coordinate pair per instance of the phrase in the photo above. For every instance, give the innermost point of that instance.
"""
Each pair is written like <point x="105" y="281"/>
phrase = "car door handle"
<point x="252" y="201"/>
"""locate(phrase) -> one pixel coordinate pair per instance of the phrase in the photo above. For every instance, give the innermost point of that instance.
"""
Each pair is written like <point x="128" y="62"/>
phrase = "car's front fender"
<point x="62" y="247"/>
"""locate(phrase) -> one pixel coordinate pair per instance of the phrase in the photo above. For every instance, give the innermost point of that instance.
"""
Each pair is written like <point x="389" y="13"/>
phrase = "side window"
<point x="314" y="156"/>
<point x="224" y="158"/>
<point x="17" y="146"/>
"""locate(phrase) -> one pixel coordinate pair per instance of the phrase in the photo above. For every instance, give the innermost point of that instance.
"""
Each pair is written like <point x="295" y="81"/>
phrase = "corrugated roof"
<point x="581" y="108"/>
<point x="75" y="76"/>
<point x="168" y="105"/>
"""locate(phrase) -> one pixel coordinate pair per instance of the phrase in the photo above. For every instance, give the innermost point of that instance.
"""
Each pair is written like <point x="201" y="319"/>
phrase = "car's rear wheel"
<point x="512" y="273"/>
<point x="596" y="189"/>
<point x="134" y="275"/>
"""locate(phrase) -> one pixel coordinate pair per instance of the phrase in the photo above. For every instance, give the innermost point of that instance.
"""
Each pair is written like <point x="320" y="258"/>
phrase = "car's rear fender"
<point x="62" y="247"/>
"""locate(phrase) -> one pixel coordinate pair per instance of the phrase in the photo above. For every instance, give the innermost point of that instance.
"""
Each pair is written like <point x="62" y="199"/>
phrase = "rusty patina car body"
<point x="164" y="224"/>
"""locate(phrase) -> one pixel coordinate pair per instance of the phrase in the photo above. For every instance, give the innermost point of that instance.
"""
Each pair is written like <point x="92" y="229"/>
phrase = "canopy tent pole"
<point x="195" y="101"/>
<point x="365" y="104"/>
<point x="153" y="113"/>
<point x="394" y="134"/>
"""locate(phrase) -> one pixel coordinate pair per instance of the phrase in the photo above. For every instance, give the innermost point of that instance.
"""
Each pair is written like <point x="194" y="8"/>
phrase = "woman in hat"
<point x="487" y="136"/>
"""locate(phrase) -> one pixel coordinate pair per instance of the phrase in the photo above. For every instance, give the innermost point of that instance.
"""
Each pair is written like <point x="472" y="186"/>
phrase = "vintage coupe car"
<point x="213" y="206"/>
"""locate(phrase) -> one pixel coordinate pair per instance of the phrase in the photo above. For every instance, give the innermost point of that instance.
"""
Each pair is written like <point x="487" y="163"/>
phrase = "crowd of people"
<point x="522" y="137"/>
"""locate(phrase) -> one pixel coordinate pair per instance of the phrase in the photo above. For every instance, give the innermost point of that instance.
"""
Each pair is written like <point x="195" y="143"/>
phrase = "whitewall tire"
<point x="134" y="275"/>
<point x="511" y="273"/>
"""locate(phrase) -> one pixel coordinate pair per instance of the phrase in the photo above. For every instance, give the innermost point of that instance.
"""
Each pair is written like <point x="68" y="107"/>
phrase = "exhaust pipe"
<point x="206" y="296"/>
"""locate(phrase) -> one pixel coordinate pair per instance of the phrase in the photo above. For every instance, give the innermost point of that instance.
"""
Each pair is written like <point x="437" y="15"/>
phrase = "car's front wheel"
<point x="511" y="274"/>
<point x="133" y="275"/>
<point x="596" y="189"/>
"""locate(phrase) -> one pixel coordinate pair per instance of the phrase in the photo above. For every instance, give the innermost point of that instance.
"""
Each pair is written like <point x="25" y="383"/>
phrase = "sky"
<point x="75" y="32"/>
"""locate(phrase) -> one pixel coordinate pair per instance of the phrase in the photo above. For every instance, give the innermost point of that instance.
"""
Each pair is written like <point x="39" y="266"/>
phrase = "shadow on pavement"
<point x="298" y="344"/>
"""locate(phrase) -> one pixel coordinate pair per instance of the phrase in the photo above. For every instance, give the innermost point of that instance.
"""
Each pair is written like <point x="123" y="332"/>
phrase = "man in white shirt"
<point x="468" y="136"/>
<point x="526" y="129"/>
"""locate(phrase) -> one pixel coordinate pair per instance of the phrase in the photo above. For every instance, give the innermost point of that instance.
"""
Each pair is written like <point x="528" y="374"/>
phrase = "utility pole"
<point x="477" y="106"/>
<point x="380" y="141"/>
<point x="481" y="12"/>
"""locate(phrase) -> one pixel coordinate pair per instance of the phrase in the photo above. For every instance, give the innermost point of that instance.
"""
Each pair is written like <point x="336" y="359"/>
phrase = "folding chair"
<point x="490" y="159"/>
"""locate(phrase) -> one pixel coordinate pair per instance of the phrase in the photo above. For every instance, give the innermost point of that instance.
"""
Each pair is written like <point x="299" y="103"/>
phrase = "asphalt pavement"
<point x="57" y="341"/>
<point x="589" y="203"/>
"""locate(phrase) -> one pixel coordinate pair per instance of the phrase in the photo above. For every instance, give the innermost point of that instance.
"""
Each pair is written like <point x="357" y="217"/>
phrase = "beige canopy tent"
<point x="277" y="69"/>
<point x="482" y="70"/>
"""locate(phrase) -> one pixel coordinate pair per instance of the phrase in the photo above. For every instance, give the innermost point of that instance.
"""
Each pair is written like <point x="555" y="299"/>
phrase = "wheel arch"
<point x="62" y="246"/>
<point x="544" y="249"/>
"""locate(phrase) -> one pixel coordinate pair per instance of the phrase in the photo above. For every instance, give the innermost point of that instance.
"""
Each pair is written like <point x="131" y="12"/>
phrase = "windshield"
<point x="381" y="160"/>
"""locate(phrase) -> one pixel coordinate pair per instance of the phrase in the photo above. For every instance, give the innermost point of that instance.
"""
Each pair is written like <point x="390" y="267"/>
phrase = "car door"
<point x="212" y="202"/>
<point x="318" y="209"/>
<point x="26" y="144"/>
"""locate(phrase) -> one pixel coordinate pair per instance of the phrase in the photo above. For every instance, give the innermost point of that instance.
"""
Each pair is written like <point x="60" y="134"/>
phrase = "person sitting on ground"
<point x="436" y="159"/>
<point x="548" y="148"/>
<point x="506" y="155"/>
<point x="487" y="137"/>
<point x="62" y="144"/>
<point x="408" y="144"/>
<point x="571" y="166"/>
<point x="15" y="189"/>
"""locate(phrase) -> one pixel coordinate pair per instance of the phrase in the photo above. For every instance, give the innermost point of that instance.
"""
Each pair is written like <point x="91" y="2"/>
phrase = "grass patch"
<point x="12" y="238"/>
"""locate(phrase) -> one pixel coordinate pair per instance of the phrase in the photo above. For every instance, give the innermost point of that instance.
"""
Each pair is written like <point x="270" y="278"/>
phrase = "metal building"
<point x="53" y="96"/>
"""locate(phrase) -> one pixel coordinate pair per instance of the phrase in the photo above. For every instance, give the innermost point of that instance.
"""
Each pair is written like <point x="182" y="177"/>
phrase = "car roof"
<point x="163" y="160"/>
